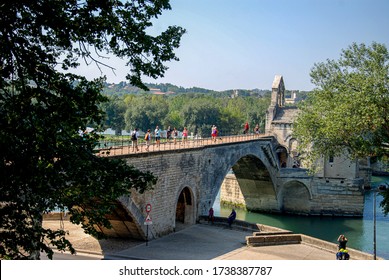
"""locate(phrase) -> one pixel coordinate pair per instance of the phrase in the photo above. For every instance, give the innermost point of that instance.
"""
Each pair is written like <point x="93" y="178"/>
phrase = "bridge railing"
<point x="123" y="145"/>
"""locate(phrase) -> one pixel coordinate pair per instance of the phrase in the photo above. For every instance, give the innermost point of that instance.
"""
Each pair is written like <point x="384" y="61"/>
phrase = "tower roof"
<point x="277" y="80"/>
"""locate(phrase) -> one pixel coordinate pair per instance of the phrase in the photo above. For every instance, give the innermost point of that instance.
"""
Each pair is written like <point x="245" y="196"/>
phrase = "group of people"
<point x="246" y="128"/>
<point x="170" y="134"/>
<point x="231" y="218"/>
<point x="173" y="134"/>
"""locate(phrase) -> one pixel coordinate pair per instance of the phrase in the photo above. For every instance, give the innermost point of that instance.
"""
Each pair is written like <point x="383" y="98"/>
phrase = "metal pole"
<point x="374" y="232"/>
<point x="147" y="235"/>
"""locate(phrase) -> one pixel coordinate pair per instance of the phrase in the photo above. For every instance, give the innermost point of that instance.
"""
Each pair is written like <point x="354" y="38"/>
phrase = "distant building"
<point x="292" y="99"/>
<point x="279" y="123"/>
<point x="235" y="93"/>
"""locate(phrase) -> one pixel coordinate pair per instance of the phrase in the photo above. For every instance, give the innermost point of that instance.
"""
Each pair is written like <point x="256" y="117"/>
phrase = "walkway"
<point x="124" y="147"/>
<point x="197" y="242"/>
<point x="204" y="242"/>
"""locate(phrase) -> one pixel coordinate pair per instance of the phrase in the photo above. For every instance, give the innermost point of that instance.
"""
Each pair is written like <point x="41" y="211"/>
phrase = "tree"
<point x="115" y="109"/>
<point x="349" y="108"/>
<point x="199" y="115"/>
<point x="146" y="112"/>
<point x="46" y="162"/>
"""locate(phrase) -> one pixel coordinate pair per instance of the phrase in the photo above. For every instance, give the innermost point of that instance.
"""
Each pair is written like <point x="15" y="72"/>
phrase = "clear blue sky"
<point x="243" y="44"/>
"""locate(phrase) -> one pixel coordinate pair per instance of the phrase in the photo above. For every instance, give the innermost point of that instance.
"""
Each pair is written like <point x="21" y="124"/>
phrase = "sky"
<point x="243" y="44"/>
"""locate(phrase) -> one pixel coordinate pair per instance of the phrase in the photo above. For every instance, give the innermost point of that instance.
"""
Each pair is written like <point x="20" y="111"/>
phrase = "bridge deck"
<point x="126" y="148"/>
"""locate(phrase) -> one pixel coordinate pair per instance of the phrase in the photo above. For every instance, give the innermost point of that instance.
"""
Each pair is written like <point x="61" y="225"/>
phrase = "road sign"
<point x="148" y="208"/>
<point x="148" y="220"/>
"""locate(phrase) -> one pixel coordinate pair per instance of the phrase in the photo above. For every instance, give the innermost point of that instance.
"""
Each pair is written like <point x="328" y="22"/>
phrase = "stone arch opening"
<point x="249" y="186"/>
<point x="282" y="155"/>
<point x="123" y="223"/>
<point x="185" y="210"/>
<point x="295" y="198"/>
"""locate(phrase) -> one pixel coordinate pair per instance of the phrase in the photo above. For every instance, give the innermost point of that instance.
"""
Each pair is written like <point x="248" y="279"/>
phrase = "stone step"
<point x="276" y="239"/>
<point x="261" y="233"/>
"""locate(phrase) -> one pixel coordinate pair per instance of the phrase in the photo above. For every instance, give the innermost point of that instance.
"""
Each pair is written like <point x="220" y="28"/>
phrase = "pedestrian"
<point x="134" y="139"/>
<point x="256" y="129"/>
<point x="147" y="139"/>
<point x="168" y="134"/>
<point x="184" y="136"/>
<point x="214" y="133"/>
<point x="342" y="241"/>
<point x="231" y="218"/>
<point x="246" y="128"/>
<point x="217" y="134"/>
<point x="211" y="216"/>
<point x="157" y="133"/>
<point x="175" y="135"/>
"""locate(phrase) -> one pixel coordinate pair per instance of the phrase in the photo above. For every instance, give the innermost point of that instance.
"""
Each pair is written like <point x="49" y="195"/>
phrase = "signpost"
<point x="148" y="222"/>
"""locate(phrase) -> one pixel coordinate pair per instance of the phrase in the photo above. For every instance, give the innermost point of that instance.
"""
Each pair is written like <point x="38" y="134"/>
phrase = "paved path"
<point x="196" y="242"/>
<point x="205" y="242"/>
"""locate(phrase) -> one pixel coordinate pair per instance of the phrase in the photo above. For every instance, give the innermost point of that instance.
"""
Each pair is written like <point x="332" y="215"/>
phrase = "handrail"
<point x="124" y="145"/>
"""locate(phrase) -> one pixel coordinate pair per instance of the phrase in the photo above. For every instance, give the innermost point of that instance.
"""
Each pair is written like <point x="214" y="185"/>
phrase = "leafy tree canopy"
<point x="46" y="162"/>
<point x="349" y="109"/>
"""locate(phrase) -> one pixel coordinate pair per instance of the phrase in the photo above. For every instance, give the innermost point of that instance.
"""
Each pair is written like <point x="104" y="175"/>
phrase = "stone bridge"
<point x="189" y="180"/>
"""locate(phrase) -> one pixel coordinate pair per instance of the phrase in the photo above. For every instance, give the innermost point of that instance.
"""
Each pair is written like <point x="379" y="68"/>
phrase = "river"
<point x="359" y="231"/>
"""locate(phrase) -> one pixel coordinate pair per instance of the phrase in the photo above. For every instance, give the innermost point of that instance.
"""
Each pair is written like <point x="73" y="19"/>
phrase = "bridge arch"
<point x="294" y="197"/>
<point x="256" y="183"/>
<point x="185" y="210"/>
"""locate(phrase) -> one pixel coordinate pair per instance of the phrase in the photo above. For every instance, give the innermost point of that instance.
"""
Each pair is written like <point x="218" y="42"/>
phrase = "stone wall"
<point x="230" y="192"/>
<point x="175" y="171"/>
<point x="299" y="193"/>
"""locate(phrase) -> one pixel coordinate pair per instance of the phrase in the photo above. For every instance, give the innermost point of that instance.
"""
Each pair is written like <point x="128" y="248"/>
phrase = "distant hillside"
<point x="124" y="88"/>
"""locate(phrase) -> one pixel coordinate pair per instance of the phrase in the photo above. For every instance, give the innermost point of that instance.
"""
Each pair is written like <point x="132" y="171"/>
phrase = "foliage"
<point x="114" y="109"/>
<point x="199" y="116"/>
<point x="349" y="109"/>
<point x="45" y="162"/>
<point x="146" y="111"/>
<point x="124" y="88"/>
<point x="197" y="112"/>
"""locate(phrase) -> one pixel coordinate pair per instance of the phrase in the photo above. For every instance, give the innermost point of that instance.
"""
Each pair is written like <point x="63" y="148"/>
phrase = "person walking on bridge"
<point x="157" y="133"/>
<point x="134" y="139"/>
<point x="214" y="133"/>
<point x="147" y="139"/>
<point x="246" y="128"/>
<point x="256" y="130"/>
<point x="184" y="136"/>
<point x="175" y="135"/>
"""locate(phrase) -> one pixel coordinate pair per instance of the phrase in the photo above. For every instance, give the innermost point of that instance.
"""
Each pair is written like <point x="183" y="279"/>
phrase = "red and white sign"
<point x="148" y="220"/>
<point x="148" y="208"/>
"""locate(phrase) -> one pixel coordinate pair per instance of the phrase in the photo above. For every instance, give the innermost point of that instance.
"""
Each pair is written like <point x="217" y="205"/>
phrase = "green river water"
<point x="359" y="231"/>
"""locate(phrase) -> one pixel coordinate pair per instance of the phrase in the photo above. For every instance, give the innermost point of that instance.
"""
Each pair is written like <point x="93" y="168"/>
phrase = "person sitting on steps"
<point x="231" y="218"/>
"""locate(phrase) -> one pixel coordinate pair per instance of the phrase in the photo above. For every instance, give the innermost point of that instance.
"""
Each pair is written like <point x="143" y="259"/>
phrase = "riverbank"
<point x="202" y="242"/>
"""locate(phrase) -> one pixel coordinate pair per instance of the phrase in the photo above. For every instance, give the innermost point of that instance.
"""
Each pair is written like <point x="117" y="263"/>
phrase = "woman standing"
<point x="147" y="139"/>
<point x="175" y="134"/>
<point x="184" y="135"/>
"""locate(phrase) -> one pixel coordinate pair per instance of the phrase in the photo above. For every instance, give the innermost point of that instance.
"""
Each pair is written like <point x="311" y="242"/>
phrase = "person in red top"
<point x="246" y="128"/>
<point x="184" y="135"/>
<point x="214" y="133"/>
